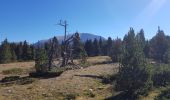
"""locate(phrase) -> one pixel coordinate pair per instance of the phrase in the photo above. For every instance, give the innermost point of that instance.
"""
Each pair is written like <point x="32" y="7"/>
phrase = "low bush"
<point x="165" y="95"/>
<point x="109" y="78"/>
<point x="161" y="75"/>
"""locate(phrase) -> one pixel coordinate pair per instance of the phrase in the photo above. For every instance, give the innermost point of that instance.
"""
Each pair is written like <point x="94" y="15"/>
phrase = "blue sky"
<point x="34" y="20"/>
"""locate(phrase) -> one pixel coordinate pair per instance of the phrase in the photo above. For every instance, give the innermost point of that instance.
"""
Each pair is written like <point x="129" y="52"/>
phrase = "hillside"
<point x="83" y="37"/>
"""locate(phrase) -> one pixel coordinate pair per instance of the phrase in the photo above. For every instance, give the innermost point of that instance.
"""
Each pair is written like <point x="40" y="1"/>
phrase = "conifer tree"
<point x="109" y="45"/>
<point x="96" y="47"/>
<point x="41" y="60"/>
<point x="134" y="75"/>
<point x="166" y="56"/>
<point x="159" y="45"/>
<point x="100" y="46"/>
<point x="19" y="51"/>
<point x="5" y="52"/>
<point x="77" y="47"/>
<point x="141" y="38"/>
<point x="13" y="53"/>
<point x="53" y="51"/>
<point x="116" y="53"/>
<point x="26" y="55"/>
<point x="89" y="47"/>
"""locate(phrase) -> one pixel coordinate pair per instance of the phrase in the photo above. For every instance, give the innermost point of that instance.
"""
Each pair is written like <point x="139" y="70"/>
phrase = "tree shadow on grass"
<point x="45" y="75"/>
<point x="122" y="96"/>
<point x="91" y="76"/>
<point x="33" y="76"/>
<point x="10" y="80"/>
<point x="104" y="62"/>
<point x="104" y="79"/>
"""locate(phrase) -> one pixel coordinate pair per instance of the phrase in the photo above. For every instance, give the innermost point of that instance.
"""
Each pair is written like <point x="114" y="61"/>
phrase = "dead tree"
<point x="67" y="51"/>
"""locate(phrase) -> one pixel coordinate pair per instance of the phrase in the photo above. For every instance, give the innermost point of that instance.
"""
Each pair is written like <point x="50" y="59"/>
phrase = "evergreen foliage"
<point x="5" y="52"/>
<point x="159" y="45"/>
<point x="134" y="76"/>
<point x="116" y="53"/>
<point x="41" y="60"/>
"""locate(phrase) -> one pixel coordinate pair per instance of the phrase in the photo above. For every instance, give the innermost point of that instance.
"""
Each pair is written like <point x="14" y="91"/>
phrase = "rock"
<point x="9" y="91"/>
<point x="91" y="90"/>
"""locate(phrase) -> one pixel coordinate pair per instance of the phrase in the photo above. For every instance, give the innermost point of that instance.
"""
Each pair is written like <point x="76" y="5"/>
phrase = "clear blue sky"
<point x="34" y="20"/>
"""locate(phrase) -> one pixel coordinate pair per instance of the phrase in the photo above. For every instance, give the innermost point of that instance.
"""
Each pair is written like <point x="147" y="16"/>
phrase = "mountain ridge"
<point x="83" y="37"/>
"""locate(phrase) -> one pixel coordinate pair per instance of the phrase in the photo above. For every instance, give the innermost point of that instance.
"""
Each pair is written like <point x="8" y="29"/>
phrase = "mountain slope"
<point x="83" y="37"/>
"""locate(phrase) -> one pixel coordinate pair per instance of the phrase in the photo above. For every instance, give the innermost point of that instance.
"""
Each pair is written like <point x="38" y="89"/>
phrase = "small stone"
<point x="9" y="91"/>
<point x="91" y="89"/>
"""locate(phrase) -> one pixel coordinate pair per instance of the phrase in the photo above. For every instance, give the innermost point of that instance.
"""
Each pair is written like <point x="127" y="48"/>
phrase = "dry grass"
<point x="84" y="84"/>
<point x="23" y="65"/>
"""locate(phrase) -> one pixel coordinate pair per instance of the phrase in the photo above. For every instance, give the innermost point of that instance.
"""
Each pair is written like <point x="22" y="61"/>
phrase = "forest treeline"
<point x="157" y="48"/>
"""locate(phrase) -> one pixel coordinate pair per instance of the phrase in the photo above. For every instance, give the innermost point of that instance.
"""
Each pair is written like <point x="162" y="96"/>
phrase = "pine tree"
<point x="116" y="53"/>
<point x="100" y="46"/>
<point x="32" y="51"/>
<point x="96" y="47"/>
<point x="13" y="53"/>
<point x="5" y="52"/>
<point x="159" y="45"/>
<point x="26" y="55"/>
<point x="141" y="38"/>
<point x="134" y="75"/>
<point x="147" y="49"/>
<point x="89" y="47"/>
<point x="109" y="46"/>
<point x="53" y="51"/>
<point x="41" y="60"/>
<point x="166" y="56"/>
<point x="77" y="47"/>
<point x="19" y="51"/>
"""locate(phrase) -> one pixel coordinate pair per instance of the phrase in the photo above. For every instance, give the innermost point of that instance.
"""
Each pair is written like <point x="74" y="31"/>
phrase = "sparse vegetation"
<point x="164" y="95"/>
<point x="161" y="75"/>
<point x="13" y="71"/>
<point x="17" y="71"/>
<point x="89" y="93"/>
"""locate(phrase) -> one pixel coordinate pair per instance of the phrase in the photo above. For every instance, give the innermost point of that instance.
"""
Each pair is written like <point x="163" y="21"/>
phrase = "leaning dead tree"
<point x="64" y="53"/>
<point x="67" y="51"/>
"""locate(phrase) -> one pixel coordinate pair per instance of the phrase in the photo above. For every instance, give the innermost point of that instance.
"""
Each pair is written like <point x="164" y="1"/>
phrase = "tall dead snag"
<point x="67" y="53"/>
<point x="68" y="49"/>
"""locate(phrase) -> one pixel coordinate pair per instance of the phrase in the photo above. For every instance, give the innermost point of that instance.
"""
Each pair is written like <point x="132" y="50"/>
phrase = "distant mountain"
<point x="83" y="37"/>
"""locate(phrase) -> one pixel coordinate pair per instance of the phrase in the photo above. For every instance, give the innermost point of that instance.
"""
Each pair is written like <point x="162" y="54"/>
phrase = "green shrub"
<point x="165" y="95"/>
<point x="109" y="78"/>
<point x="161" y="75"/>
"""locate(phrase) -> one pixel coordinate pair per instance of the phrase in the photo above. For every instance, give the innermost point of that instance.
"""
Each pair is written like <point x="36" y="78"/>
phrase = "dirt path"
<point x="82" y="83"/>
